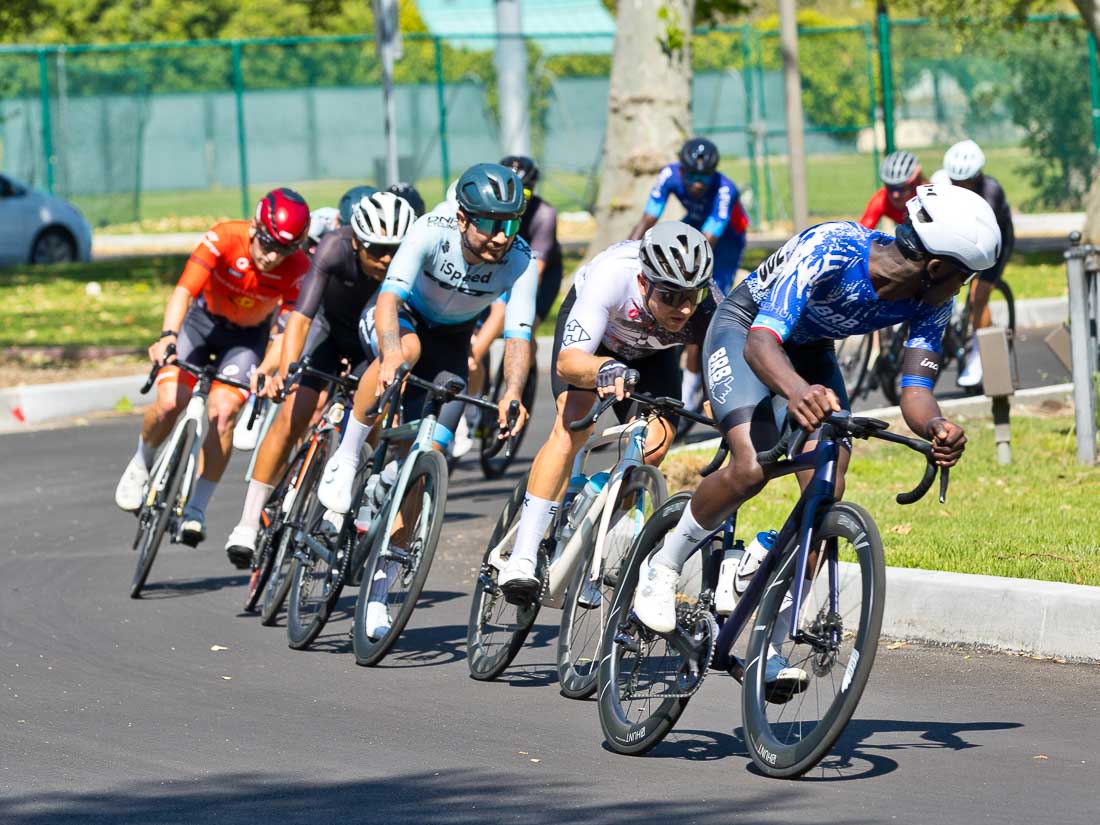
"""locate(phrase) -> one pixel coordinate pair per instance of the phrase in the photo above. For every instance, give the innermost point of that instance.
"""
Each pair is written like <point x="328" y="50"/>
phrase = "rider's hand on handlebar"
<point x="812" y="406"/>
<point x="611" y="380"/>
<point x="273" y="385"/>
<point x="156" y="352"/>
<point x="387" y="372"/>
<point x="502" y="416"/>
<point x="948" y="442"/>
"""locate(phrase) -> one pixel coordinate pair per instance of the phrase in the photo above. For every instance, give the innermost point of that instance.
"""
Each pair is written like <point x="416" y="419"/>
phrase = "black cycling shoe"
<point x="241" y="557"/>
<point x="192" y="532"/>
<point x="520" y="591"/>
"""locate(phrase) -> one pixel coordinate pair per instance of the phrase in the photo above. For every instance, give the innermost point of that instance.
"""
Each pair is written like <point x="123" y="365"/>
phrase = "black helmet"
<point x="490" y="190"/>
<point x="523" y="166"/>
<point x="409" y="193"/>
<point x="353" y="195"/>
<point x="699" y="155"/>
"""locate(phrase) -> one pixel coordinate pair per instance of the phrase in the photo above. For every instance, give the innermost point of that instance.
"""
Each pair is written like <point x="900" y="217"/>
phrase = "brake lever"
<point x="943" y="484"/>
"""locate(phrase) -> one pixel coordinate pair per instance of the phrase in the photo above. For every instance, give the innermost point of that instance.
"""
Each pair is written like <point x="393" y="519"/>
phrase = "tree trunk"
<point x="1090" y="14"/>
<point x="649" y="109"/>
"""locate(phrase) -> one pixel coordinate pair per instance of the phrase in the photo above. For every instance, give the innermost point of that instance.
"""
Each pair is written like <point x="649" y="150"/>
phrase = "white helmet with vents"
<point x="382" y="218"/>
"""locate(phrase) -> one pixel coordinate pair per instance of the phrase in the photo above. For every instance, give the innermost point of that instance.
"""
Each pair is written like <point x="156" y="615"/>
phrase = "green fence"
<point x="171" y="135"/>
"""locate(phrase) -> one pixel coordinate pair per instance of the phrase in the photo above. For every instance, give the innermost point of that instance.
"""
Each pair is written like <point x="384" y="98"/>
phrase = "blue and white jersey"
<point x="711" y="213"/>
<point x="429" y="273"/>
<point x="817" y="287"/>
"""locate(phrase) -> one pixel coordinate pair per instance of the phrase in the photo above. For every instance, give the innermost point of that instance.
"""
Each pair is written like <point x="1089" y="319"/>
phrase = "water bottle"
<point x="724" y="597"/>
<point x="750" y="562"/>
<point x="584" y="500"/>
<point x="385" y="481"/>
<point x="565" y="529"/>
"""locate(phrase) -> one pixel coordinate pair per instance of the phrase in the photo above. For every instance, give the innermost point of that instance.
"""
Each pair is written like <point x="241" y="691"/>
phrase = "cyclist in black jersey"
<point x="344" y="275"/>
<point x="963" y="163"/>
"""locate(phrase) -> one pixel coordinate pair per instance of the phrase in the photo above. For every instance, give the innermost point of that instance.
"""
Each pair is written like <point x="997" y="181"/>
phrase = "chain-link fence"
<point x="171" y="135"/>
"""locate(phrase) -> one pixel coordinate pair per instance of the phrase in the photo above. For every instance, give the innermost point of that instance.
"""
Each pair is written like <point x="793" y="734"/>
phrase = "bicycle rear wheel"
<point x="588" y="599"/>
<point x="789" y="734"/>
<point x="398" y="567"/>
<point x="497" y="629"/>
<point x="153" y="518"/>
<point x="267" y="542"/>
<point x="494" y="466"/>
<point x="853" y="354"/>
<point x="644" y="681"/>
<point x="301" y="480"/>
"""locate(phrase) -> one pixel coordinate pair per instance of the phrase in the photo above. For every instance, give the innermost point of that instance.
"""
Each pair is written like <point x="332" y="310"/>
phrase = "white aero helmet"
<point x="963" y="160"/>
<point x="321" y="220"/>
<point x="677" y="255"/>
<point x="898" y="168"/>
<point x="956" y="223"/>
<point x="940" y="178"/>
<point x="382" y="218"/>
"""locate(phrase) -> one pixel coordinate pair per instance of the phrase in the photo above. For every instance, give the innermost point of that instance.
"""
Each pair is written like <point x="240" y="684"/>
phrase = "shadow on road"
<point x="191" y="587"/>
<point x="455" y="797"/>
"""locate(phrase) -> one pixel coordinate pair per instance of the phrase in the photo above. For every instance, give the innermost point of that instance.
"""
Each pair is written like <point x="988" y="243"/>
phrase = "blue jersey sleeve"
<point x="926" y="333"/>
<point x="658" y="195"/>
<point x="721" y="209"/>
<point x="788" y="277"/>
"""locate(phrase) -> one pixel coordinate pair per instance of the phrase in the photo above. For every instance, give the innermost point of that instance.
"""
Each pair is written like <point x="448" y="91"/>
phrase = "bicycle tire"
<point x="431" y="466"/>
<point x="279" y="581"/>
<point x="487" y="657"/>
<point x="779" y="748"/>
<point x="493" y="467"/>
<point x="263" y="557"/>
<point x="151" y="533"/>
<point x="308" y="612"/>
<point x="853" y="355"/>
<point x="623" y="734"/>
<point x="578" y="648"/>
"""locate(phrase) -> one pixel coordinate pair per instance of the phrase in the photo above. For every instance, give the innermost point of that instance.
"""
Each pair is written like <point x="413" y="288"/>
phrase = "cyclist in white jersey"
<point x="632" y="307"/>
<point x="454" y="262"/>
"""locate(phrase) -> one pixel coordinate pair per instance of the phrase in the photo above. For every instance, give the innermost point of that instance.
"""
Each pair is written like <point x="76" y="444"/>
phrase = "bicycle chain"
<point x="690" y="618"/>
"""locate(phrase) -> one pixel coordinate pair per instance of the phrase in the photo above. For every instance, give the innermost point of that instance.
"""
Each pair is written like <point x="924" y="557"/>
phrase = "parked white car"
<point x="39" y="228"/>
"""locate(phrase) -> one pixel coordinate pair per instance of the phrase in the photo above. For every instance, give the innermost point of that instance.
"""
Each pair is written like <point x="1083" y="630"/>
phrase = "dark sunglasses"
<point x="491" y="226"/>
<point x="696" y="177"/>
<point x="901" y="190"/>
<point x="678" y="297"/>
<point x="270" y="244"/>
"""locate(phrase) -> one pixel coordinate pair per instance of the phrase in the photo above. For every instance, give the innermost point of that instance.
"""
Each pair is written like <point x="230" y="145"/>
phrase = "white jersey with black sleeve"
<point x="610" y="309"/>
<point x="429" y="273"/>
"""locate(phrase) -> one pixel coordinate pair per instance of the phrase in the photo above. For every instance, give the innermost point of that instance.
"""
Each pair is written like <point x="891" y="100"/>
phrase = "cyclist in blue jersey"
<point x="774" y="335"/>
<point x="714" y="207"/>
<point x="452" y="265"/>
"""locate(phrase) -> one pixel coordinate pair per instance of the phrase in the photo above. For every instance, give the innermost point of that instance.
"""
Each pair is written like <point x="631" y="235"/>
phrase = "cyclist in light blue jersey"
<point x="452" y="265"/>
<point x="774" y="335"/>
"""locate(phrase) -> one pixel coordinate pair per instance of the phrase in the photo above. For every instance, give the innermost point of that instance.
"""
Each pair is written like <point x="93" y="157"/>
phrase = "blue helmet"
<point x="490" y="190"/>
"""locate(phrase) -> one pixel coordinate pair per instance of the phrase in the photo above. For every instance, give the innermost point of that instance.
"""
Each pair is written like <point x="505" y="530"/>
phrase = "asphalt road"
<point x="121" y="711"/>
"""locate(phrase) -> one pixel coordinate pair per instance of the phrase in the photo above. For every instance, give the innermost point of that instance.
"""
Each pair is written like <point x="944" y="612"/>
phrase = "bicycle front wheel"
<point x="497" y="629"/>
<point x="789" y="731"/>
<point x="397" y="568"/>
<point x="153" y="518"/>
<point x="588" y="599"/>
<point x="645" y="682"/>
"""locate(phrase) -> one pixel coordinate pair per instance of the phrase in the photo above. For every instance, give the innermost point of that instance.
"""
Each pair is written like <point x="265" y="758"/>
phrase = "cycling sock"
<point x="533" y="522"/>
<point x="782" y="629"/>
<point x="146" y="453"/>
<point x="352" y="442"/>
<point x="680" y="541"/>
<point x="254" y="501"/>
<point x="691" y="384"/>
<point x="200" y="495"/>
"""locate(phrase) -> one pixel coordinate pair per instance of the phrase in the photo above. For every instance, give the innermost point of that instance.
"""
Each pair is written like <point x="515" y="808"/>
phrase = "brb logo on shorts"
<point x="719" y="375"/>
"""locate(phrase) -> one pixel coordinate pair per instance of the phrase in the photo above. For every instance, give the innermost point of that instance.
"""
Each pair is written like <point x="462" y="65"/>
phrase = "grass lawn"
<point x="1035" y="519"/>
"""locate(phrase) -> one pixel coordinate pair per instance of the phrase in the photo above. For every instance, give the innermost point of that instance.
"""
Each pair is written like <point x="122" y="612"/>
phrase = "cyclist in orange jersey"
<point x="223" y="308"/>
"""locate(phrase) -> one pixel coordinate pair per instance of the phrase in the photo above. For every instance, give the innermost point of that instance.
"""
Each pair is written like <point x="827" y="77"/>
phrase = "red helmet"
<point x="283" y="215"/>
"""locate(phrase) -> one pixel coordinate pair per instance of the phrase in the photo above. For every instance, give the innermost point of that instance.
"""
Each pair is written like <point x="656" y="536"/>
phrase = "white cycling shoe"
<point x="334" y="491"/>
<point x="240" y="546"/>
<point x="655" y="598"/>
<point x="130" y="492"/>
<point x="518" y="580"/>
<point x="193" y="528"/>
<point x="378" y="622"/>
<point x="462" y="441"/>
<point x="971" y="375"/>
